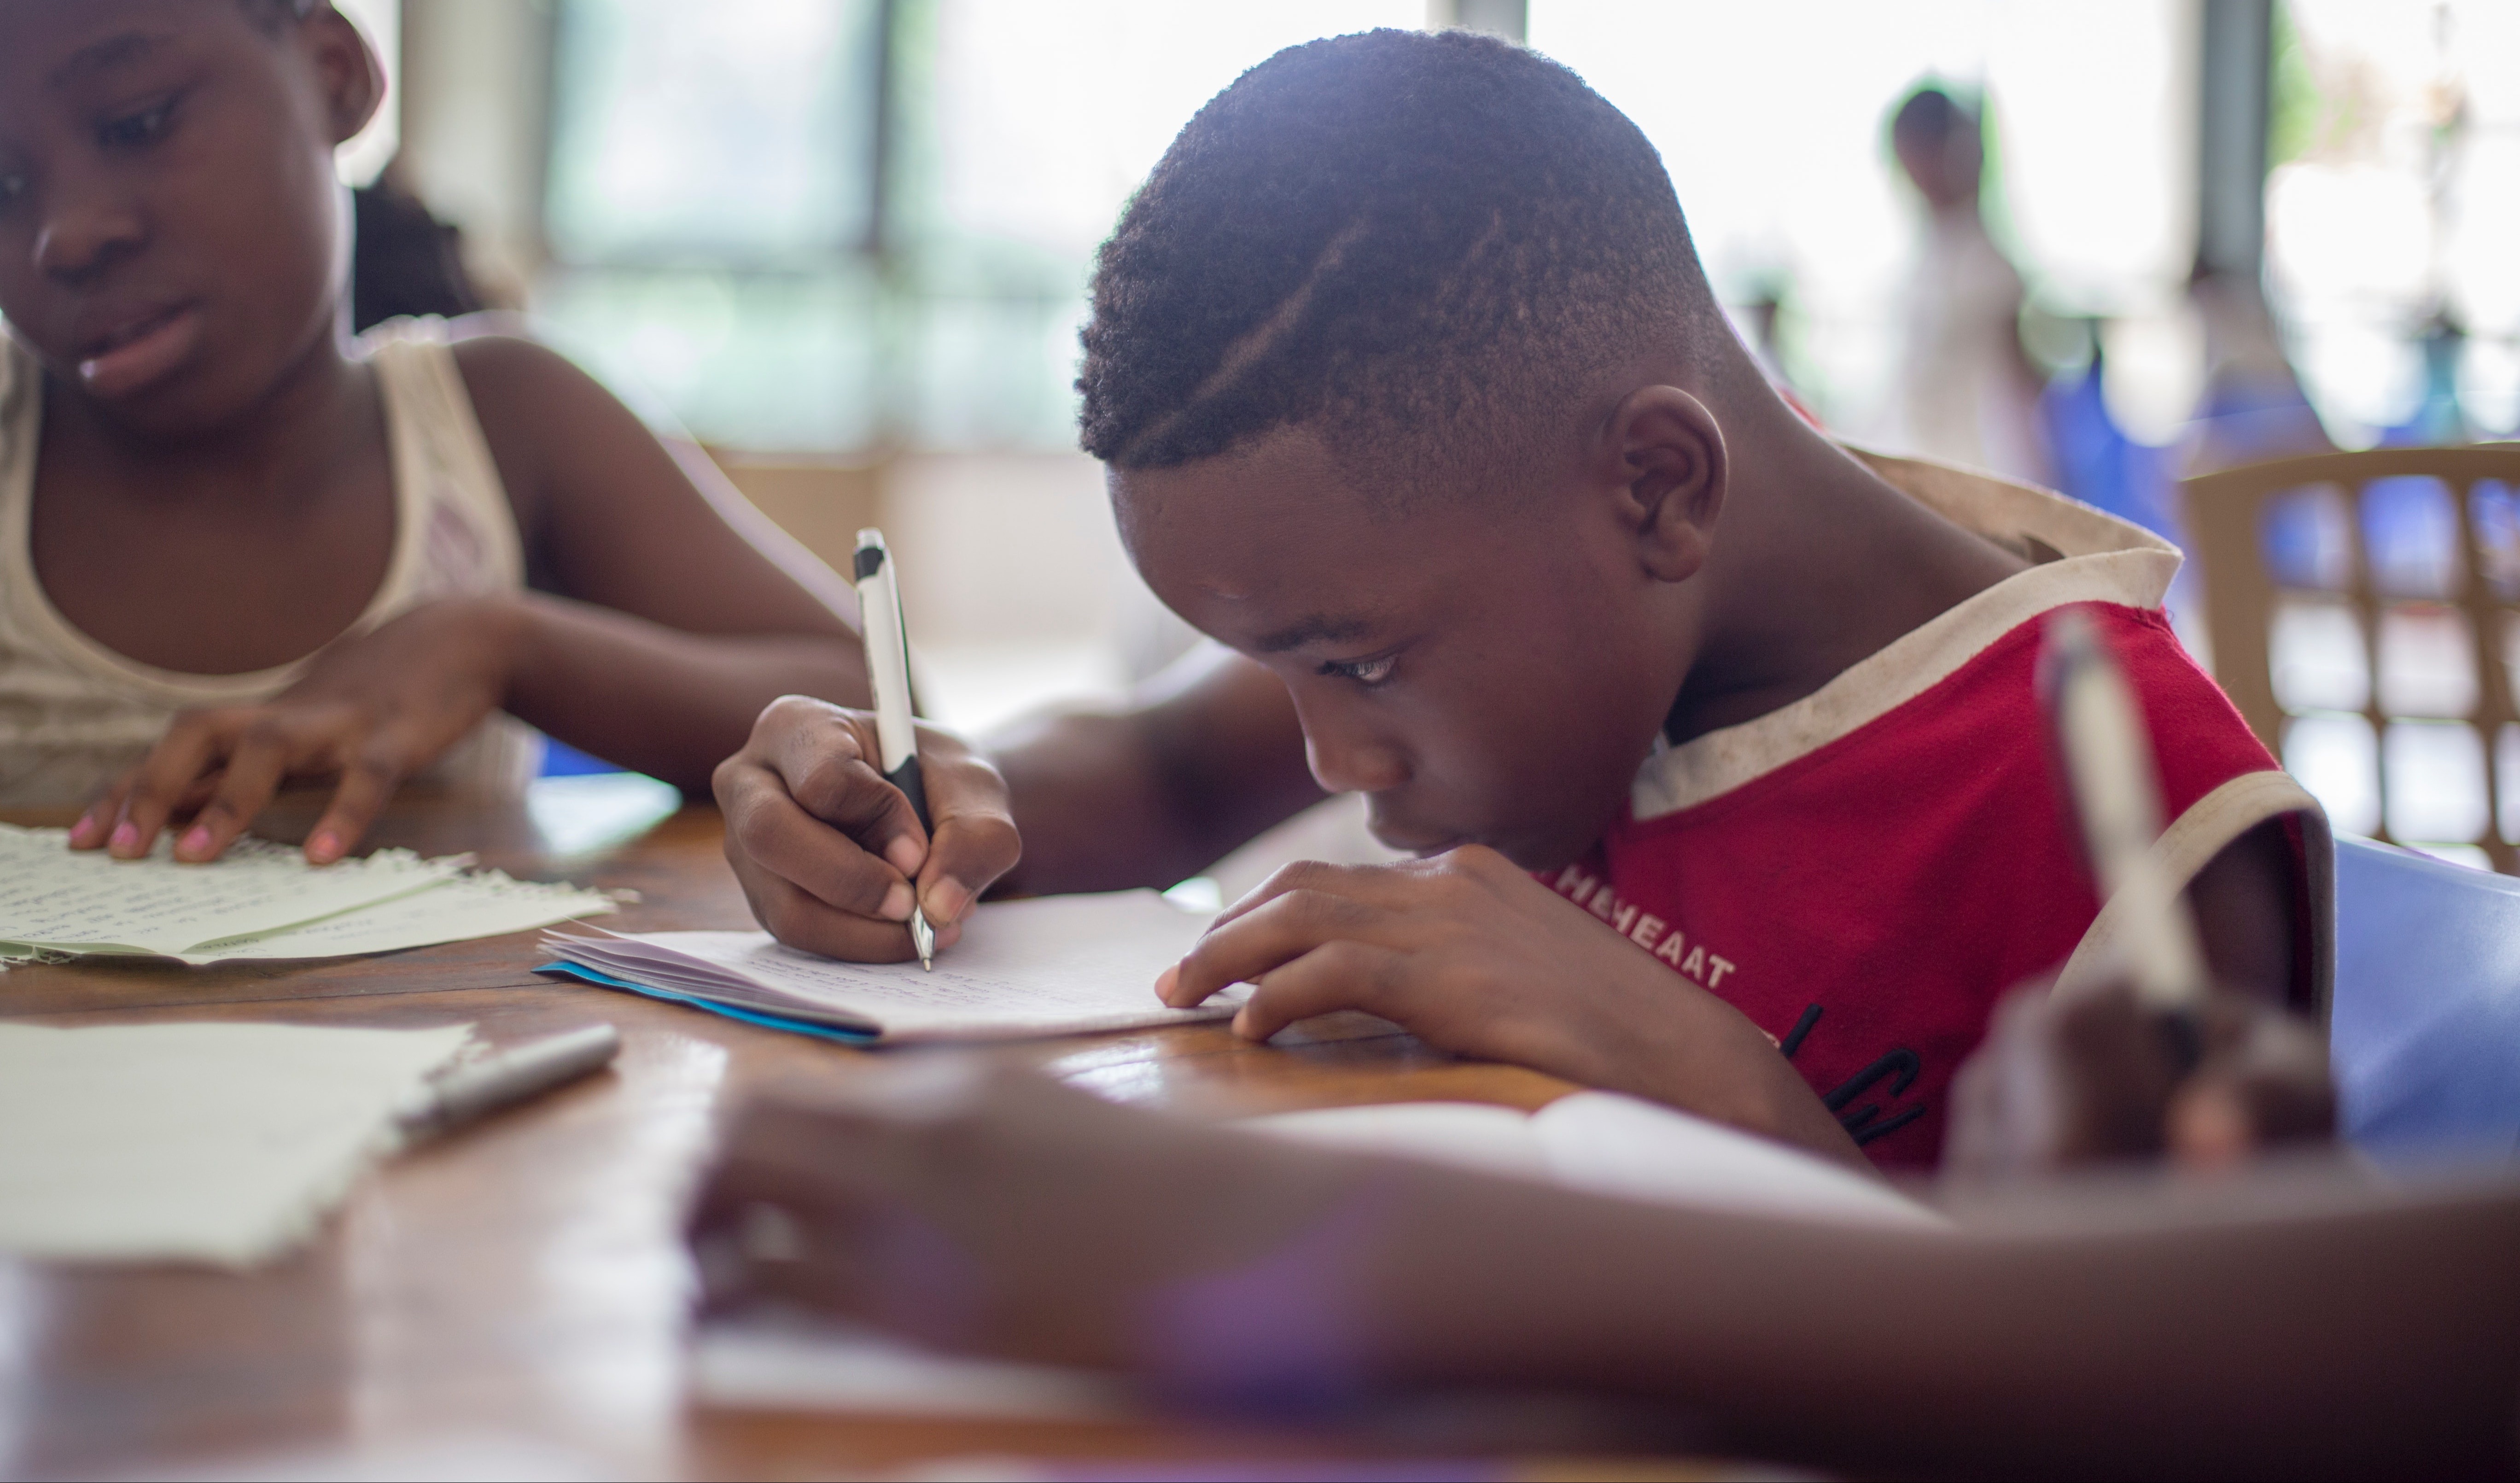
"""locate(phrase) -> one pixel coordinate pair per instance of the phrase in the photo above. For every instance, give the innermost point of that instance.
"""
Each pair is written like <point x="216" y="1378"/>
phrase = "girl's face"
<point x="173" y="237"/>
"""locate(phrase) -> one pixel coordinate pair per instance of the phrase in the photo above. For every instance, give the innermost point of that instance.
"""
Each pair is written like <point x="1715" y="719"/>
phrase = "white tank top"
<point x="74" y="714"/>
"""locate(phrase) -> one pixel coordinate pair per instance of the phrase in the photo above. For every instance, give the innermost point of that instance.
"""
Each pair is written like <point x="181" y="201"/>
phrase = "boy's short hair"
<point x="1442" y="236"/>
<point x="271" y="12"/>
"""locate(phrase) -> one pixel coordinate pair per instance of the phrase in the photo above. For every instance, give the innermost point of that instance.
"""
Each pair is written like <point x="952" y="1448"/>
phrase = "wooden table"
<point x="523" y="1281"/>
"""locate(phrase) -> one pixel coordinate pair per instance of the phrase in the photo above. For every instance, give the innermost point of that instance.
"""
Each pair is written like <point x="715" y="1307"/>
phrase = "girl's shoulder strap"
<point x="444" y="473"/>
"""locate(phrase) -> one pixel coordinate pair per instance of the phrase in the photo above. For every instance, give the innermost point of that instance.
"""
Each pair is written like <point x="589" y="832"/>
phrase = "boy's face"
<point x="1485" y="669"/>
<point x="170" y="239"/>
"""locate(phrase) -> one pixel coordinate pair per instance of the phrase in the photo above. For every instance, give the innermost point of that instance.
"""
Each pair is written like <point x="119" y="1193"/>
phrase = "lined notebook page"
<point x="1059" y="964"/>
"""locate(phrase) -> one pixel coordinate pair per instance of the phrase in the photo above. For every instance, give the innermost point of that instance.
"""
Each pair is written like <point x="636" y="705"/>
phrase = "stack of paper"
<point x="1056" y="965"/>
<point x="216" y="1142"/>
<point x="260" y="900"/>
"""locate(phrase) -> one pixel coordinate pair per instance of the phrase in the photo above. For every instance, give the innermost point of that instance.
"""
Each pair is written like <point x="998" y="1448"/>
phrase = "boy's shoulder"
<point x="2075" y="555"/>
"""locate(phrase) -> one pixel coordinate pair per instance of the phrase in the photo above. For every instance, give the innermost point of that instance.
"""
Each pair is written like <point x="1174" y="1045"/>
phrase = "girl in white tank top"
<point x="76" y="715"/>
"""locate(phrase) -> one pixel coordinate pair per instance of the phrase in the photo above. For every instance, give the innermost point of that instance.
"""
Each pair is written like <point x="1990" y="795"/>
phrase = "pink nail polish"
<point x="126" y="835"/>
<point x="198" y="841"/>
<point x="323" y="844"/>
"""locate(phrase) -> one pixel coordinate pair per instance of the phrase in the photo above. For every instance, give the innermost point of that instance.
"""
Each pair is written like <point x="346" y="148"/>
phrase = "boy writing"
<point x="237" y="548"/>
<point x="1720" y="744"/>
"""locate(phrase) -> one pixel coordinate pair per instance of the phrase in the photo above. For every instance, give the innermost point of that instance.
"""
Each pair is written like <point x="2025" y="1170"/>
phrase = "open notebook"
<point x="1056" y="966"/>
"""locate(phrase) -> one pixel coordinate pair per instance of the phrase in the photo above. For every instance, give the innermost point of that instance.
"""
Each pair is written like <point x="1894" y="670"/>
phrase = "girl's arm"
<point x="664" y="614"/>
<point x="672" y="612"/>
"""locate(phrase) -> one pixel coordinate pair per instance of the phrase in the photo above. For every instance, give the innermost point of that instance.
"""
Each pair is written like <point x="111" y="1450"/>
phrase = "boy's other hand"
<point x="370" y="711"/>
<point x="831" y="856"/>
<point x="2092" y="1078"/>
<point x="1473" y="954"/>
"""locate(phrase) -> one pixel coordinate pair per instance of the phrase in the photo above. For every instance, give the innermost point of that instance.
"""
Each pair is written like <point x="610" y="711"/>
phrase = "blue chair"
<point x="2424" y="1030"/>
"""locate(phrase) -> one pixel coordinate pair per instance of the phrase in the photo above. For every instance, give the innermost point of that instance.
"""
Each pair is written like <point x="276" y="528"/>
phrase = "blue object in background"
<point x="561" y="760"/>
<point x="2096" y="461"/>
<point x="2424" y="1030"/>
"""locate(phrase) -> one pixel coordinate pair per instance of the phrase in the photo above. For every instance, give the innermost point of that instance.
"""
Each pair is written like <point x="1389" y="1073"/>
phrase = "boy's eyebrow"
<point x="1318" y="629"/>
<point x="102" y="57"/>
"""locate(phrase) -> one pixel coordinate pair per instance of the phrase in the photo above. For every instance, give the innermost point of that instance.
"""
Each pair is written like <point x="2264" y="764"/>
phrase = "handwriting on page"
<point x="53" y="897"/>
<point x="1057" y="964"/>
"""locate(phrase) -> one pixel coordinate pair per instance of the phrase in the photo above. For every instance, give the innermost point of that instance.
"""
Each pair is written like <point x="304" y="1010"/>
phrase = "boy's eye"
<point x="1366" y="672"/>
<point x="140" y="126"/>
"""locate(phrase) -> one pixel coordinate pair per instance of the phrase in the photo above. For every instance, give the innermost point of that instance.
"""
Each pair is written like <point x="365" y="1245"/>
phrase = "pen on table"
<point x="476" y="1089"/>
<point x="2117" y="798"/>
<point x="887" y="651"/>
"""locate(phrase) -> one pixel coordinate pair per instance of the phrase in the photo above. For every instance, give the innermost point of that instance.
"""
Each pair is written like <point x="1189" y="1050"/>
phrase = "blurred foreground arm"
<point x="2294" y="1327"/>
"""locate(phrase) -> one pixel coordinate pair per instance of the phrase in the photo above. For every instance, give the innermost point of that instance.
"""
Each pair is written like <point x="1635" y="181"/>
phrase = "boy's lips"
<point x="130" y="356"/>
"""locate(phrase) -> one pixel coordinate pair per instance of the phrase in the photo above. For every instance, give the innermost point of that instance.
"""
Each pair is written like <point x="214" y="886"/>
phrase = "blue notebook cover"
<point x="562" y="967"/>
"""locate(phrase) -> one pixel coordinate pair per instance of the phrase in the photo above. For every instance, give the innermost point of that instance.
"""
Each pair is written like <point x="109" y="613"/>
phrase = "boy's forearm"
<point x="1149" y="794"/>
<point x="657" y="700"/>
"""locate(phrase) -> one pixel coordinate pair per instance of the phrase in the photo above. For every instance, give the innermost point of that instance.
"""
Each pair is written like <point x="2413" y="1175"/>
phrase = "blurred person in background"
<point x="1967" y="392"/>
<point x="2253" y="407"/>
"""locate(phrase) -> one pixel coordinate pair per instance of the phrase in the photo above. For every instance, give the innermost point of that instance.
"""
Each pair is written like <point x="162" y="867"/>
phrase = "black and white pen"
<point x="887" y="652"/>
<point x="2116" y="799"/>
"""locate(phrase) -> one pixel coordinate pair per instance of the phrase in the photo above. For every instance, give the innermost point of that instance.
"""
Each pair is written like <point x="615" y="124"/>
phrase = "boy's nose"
<point x="84" y="233"/>
<point x="1353" y="764"/>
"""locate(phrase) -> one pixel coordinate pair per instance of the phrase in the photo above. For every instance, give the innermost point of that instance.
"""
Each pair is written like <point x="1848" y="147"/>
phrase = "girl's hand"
<point x="1474" y="956"/>
<point x="831" y="857"/>
<point x="371" y="712"/>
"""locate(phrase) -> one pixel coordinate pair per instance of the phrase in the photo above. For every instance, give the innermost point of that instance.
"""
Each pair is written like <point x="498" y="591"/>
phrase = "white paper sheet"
<point x="487" y="904"/>
<point x="1056" y="966"/>
<point x="209" y="1143"/>
<point x="1617" y="1145"/>
<point x="790" y="1361"/>
<point x="56" y="898"/>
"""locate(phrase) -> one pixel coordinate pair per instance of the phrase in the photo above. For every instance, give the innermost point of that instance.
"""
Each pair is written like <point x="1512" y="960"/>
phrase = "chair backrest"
<point x="2424" y="1029"/>
<point x="2405" y="550"/>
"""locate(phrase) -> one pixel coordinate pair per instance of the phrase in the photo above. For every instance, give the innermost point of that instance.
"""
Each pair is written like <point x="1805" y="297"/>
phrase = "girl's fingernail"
<point x="84" y="831"/>
<point x="896" y="903"/>
<point x="323" y="844"/>
<point x="126" y="835"/>
<point x="906" y="855"/>
<point x="198" y="841"/>
<point x="1164" y="982"/>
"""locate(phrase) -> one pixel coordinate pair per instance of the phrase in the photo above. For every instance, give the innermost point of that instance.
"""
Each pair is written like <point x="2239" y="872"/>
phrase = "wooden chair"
<point x="2226" y="520"/>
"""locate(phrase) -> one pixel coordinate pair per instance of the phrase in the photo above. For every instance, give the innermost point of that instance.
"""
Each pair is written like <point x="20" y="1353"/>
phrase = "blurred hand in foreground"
<point x="2063" y="1081"/>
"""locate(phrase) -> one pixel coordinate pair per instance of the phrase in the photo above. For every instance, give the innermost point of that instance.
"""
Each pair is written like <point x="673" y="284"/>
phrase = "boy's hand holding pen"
<point x="863" y="834"/>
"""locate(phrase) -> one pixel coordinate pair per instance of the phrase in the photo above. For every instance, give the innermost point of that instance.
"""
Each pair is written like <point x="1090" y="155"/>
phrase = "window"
<point x="854" y="224"/>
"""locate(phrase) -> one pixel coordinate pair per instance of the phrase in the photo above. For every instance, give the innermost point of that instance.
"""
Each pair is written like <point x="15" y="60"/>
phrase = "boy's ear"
<point x="1666" y="453"/>
<point x="352" y="81"/>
